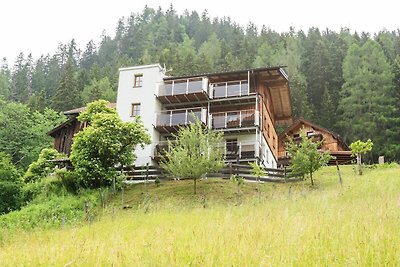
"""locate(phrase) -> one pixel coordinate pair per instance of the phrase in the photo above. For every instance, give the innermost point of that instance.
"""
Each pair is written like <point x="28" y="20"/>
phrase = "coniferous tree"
<point x="67" y="95"/>
<point x="5" y="80"/>
<point x="21" y="82"/>
<point x="98" y="89"/>
<point x="365" y="102"/>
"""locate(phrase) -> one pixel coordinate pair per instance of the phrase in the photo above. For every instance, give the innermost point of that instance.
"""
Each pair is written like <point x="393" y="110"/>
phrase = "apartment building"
<point x="246" y="105"/>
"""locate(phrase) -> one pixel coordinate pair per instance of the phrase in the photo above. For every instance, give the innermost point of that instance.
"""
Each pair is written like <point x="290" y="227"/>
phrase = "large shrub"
<point x="43" y="166"/>
<point x="10" y="185"/>
<point x="105" y="143"/>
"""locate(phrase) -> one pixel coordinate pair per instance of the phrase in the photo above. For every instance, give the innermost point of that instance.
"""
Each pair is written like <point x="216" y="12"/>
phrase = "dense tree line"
<point x="344" y="81"/>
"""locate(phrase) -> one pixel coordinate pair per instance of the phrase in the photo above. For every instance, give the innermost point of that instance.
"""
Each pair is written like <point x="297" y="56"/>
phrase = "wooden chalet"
<point x="64" y="133"/>
<point x="331" y="142"/>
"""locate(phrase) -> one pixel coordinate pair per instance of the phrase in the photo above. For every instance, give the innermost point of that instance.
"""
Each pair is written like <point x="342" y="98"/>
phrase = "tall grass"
<point x="293" y="225"/>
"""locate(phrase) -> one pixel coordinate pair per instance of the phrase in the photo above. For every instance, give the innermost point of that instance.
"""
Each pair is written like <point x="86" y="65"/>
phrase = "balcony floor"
<point x="182" y="98"/>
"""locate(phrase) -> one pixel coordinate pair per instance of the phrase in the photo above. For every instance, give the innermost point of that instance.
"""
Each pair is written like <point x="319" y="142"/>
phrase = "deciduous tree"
<point x="106" y="143"/>
<point x="196" y="151"/>
<point x="305" y="157"/>
<point x="358" y="148"/>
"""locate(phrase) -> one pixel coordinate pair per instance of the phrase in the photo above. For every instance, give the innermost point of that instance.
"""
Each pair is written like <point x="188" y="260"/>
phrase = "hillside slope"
<point x="291" y="224"/>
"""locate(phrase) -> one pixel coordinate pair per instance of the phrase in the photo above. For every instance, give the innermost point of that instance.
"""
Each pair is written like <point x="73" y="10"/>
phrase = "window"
<point x="138" y="82"/>
<point x="135" y="110"/>
<point x="232" y="146"/>
<point x="273" y="141"/>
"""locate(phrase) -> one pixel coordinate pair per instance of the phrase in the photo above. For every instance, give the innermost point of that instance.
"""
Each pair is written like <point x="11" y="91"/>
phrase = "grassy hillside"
<point x="292" y="224"/>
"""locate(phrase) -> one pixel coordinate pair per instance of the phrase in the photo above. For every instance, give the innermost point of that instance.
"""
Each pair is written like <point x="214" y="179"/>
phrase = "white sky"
<point x="38" y="26"/>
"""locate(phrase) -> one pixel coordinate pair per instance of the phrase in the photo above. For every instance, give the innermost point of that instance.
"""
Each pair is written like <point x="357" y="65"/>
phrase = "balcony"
<point x="241" y="150"/>
<point x="232" y="150"/>
<point x="160" y="149"/>
<point x="230" y="89"/>
<point x="178" y="91"/>
<point x="171" y="120"/>
<point x="235" y="119"/>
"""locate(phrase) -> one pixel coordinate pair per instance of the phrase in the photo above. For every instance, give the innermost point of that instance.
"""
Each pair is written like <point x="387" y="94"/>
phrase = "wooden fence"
<point x="137" y="173"/>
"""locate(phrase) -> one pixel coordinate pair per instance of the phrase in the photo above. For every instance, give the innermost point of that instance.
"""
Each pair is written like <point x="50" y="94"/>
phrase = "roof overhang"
<point x="54" y="131"/>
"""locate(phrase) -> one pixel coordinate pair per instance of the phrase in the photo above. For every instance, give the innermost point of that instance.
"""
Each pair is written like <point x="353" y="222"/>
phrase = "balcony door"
<point x="232" y="149"/>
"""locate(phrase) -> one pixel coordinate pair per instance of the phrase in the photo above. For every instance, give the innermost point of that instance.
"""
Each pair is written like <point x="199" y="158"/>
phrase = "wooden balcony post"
<point x="187" y="86"/>
<point x="226" y="89"/>
<point x="186" y="117"/>
<point x="248" y="82"/>
<point x="240" y="118"/>
<point x="172" y="87"/>
<point x="170" y="118"/>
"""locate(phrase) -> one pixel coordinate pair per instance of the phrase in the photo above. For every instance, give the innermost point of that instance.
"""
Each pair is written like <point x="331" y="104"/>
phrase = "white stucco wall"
<point x="145" y="96"/>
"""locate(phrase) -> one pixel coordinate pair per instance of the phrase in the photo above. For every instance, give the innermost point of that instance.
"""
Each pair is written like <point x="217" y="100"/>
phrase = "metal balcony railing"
<point x="242" y="150"/>
<point x="234" y="119"/>
<point x="232" y="150"/>
<point x="180" y="87"/>
<point x="230" y="89"/>
<point x="180" y="117"/>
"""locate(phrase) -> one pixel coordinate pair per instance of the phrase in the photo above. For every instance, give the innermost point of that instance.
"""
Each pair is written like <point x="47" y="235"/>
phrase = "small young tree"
<point x="359" y="148"/>
<point x="239" y="181"/>
<point x="257" y="171"/>
<point x="196" y="151"/>
<point x="305" y="158"/>
<point x="105" y="143"/>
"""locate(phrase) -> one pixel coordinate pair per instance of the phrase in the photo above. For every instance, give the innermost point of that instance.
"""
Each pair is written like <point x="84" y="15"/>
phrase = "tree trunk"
<point x="312" y="181"/>
<point x="194" y="186"/>
<point x="360" y="172"/>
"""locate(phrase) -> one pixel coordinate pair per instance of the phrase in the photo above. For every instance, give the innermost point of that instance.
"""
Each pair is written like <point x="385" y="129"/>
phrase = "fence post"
<point x="122" y="196"/>
<point x="146" y="177"/>
<point x="340" y="175"/>
<point x="230" y="170"/>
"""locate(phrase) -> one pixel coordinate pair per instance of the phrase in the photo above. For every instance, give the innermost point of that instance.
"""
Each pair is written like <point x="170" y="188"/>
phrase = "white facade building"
<point x="246" y="105"/>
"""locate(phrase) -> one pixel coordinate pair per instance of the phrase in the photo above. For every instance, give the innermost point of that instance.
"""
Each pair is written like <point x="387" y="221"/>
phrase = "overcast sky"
<point x="38" y="26"/>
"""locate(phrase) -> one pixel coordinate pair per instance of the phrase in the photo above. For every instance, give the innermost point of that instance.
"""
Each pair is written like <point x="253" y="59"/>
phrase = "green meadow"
<point x="290" y="224"/>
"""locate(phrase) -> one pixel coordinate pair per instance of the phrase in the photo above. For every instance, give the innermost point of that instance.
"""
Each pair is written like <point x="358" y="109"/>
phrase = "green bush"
<point x="105" y="143"/>
<point x="69" y="180"/>
<point x="43" y="166"/>
<point x="51" y="213"/>
<point x="44" y="188"/>
<point x="10" y="185"/>
<point x="10" y="196"/>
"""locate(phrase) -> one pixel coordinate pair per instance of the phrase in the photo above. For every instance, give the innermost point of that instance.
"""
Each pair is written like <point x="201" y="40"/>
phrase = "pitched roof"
<point x="315" y="126"/>
<point x="79" y="110"/>
<point x="59" y="127"/>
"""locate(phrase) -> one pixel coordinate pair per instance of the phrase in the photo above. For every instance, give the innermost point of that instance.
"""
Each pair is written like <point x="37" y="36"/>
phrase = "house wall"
<point x="145" y="96"/>
<point x="267" y="118"/>
<point x="330" y="143"/>
<point x="63" y="138"/>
